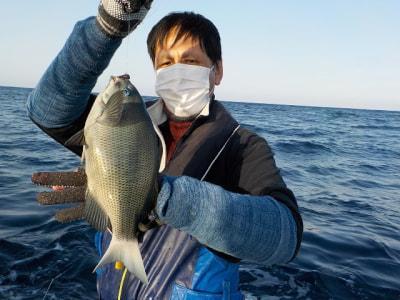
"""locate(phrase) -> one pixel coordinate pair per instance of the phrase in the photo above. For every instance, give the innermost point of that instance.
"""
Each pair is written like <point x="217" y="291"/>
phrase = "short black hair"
<point x="188" y="24"/>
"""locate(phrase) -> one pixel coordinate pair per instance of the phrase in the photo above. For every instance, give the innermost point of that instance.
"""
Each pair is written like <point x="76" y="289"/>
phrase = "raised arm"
<point x="62" y="94"/>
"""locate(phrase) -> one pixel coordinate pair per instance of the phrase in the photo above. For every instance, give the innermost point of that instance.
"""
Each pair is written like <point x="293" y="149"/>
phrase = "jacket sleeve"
<point x="60" y="100"/>
<point x="259" y="222"/>
<point x="255" y="172"/>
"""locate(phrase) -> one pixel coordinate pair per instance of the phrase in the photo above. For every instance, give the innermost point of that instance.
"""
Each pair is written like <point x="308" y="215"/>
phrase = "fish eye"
<point x="127" y="92"/>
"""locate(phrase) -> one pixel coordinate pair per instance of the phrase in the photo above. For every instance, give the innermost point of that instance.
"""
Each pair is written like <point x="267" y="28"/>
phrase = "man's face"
<point x="185" y="51"/>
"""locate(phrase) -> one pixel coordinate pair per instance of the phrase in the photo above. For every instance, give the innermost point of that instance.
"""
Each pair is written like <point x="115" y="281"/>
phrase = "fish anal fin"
<point x="94" y="214"/>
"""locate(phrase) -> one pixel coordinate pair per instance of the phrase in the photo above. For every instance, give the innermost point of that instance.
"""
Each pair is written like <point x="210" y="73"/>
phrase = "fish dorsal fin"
<point x="78" y="139"/>
<point x="112" y="109"/>
<point x="94" y="214"/>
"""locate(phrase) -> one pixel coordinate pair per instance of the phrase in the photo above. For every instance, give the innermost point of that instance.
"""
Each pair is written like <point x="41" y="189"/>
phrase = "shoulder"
<point x="246" y="142"/>
<point x="250" y="163"/>
<point x="248" y="137"/>
<point x="243" y="137"/>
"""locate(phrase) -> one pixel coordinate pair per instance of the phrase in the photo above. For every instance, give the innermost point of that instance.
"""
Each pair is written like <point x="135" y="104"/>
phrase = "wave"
<point x="65" y="259"/>
<point x="302" y="147"/>
<point x="377" y="127"/>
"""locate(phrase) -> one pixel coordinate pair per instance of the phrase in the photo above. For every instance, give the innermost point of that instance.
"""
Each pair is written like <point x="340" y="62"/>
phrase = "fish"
<point x="121" y="158"/>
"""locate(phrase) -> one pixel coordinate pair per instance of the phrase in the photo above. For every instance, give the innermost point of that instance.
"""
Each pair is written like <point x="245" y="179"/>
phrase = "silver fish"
<point x="121" y="160"/>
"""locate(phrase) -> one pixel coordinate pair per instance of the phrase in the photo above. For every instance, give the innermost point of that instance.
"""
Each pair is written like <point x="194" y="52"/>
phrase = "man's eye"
<point x="191" y="61"/>
<point x="164" y="64"/>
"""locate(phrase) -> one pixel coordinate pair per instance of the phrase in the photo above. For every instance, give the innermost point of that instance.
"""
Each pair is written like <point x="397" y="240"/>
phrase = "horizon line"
<point x="266" y="103"/>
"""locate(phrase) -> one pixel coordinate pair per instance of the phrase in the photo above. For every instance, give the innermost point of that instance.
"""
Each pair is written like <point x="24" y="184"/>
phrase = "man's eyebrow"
<point x="190" y="53"/>
<point x="163" y="54"/>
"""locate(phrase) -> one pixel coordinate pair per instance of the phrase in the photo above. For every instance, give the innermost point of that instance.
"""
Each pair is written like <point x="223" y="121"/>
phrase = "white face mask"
<point x="184" y="88"/>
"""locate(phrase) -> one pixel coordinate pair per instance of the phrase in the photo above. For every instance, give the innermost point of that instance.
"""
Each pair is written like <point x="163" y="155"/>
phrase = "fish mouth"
<point x="125" y="76"/>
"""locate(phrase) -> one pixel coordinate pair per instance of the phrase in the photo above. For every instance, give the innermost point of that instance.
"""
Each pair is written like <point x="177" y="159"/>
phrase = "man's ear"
<point x="219" y="72"/>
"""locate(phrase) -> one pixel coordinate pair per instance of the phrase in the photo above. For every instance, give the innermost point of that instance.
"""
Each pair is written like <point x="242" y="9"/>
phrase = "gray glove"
<point x="118" y="18"/>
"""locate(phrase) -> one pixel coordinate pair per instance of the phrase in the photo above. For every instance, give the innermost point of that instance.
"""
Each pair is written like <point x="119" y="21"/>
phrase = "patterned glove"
<point x="118" y="18"/>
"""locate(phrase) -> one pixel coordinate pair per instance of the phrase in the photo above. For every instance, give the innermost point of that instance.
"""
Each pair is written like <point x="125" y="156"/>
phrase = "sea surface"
<point x="342" y="164"/>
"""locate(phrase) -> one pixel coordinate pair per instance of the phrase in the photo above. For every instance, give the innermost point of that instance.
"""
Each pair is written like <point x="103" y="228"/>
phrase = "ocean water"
<point x="343" y="165"/>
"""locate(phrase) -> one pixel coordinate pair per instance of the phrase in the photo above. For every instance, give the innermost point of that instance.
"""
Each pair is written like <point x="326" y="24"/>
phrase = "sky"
<point x="342" y="53"/>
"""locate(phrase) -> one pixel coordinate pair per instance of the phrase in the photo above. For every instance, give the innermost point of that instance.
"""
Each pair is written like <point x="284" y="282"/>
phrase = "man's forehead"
<point x="176" y="36"/>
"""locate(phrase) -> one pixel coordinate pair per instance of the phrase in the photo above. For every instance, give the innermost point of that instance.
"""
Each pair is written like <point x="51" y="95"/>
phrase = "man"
<point x="222" y="198"/>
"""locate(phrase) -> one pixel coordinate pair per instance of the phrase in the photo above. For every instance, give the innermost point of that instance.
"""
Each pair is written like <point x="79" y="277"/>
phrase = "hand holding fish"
<point x="69" y="187"/>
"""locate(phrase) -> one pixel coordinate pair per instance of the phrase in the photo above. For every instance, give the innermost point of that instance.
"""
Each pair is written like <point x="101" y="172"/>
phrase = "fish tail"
<point x="126" y="251"/>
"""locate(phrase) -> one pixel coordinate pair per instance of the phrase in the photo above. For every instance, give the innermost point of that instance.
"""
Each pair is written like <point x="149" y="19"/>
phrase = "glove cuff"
<point x="118" y="18"/>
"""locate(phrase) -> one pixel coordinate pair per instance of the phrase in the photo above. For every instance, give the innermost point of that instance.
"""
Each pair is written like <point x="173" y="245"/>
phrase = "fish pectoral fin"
<point x="128" y="252"/>
<point x="78" y="139"/>
<point x="94" y="214"/>
<point x="112" y="110"/>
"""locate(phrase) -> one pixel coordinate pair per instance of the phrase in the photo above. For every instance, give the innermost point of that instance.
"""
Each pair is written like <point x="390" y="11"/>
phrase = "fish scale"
<point x="120" y="180"/>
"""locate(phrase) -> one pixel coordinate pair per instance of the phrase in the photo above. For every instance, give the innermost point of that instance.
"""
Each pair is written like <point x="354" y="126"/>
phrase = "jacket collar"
<point x="204" y="139"/>
<point x="202" y="143"/>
